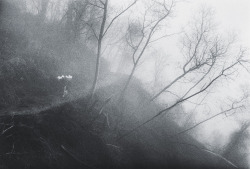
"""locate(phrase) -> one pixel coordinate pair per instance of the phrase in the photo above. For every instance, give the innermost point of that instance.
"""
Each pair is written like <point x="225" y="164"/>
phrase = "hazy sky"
<point x="231" y="16"/>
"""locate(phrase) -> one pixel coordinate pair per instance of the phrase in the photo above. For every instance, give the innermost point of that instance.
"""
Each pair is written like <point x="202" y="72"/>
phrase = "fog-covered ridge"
<point x="106" y="84"/>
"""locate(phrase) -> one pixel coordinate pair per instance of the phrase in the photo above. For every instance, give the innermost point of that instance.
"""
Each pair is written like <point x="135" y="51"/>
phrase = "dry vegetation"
<point x="106" y="120"/>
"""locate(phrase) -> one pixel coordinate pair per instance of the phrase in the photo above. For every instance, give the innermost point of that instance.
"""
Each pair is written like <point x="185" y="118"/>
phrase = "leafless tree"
<point x="209" y="57"/>
<point x="77" y="18"/>
<point x="200" y="50"/>
<point x="140" y="34"/>
<point x="102" y="32"/>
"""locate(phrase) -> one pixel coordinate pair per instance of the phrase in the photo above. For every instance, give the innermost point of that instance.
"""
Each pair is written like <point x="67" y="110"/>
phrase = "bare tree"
<point x="200" y="50"/>
<point x="140" y="34"/>
<point x="209" y="57"/>
<point x="102" y="31"/>
<point x="77" y="18"/>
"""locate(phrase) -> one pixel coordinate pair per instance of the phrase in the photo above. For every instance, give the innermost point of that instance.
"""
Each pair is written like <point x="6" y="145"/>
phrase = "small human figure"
<point x="65" y="91"/>
<point x="65" y="80"/>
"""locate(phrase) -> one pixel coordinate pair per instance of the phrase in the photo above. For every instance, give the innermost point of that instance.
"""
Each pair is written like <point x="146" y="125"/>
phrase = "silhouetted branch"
<point x="70" y="153"/>
<point x="96" y="5"/>
<point x="208" y="151"/>
<point x="181" y="100"/>
<point x="99" y="48"/>
<point x="164" y="36"/>
<point x="92" y="29"/>
<point x="145" y="45"/>
<point x="118" y="16"/>
<point x="200" y="53"/>
<point x="101" y="111"/>
<point x="212" y="117"/>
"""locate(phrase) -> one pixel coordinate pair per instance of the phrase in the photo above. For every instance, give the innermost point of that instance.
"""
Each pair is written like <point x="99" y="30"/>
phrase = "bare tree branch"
<point x="150" y="34"/>
<point x="92" y="29"/>
<point x="164" y="36"/>
<point x="101" y="2"/>
<point x="183" y="99"/>
<point x="208" y="151"/>
<point x="212" y="117"/>
<point x="102" y="33"/>
<point x="118" y="16"/>
<point x="202" y="52"/>
<point x="96" y="5"/>
<point x="70" y="153"/>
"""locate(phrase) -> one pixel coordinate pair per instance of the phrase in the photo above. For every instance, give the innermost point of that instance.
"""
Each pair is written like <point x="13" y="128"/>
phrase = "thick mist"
<point x="113" y="84"/>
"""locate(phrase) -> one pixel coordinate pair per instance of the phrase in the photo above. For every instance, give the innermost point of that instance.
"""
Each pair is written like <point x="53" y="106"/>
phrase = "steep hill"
<point x="70" y="135"/>
<point x="41" y="129"/>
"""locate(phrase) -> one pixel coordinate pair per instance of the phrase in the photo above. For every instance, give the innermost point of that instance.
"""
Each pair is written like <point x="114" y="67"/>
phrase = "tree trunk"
<point x="100" y="38"/>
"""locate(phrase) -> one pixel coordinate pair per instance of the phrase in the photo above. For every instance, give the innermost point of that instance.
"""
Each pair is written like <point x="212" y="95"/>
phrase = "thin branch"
<point x="101" y="110"/>
<point x="176" y="79"/>
<point x="179" y="101"/>
<point x="221" y="157"/>
<point x="164" y="36"/>
<point x="4" y="131"/>
<point x="118" y="16"/>
<point x="70" y="153"/>
<point x="143" y="50"/>
<point x="92" y="29"/>
<point x="152" y="32"/>
<point x="212" y="117"/>
<point x="201" y="79"/>
<point x="96" y="5"/>
<point x="101" y="2"/>
<point x="168" y="86"/>
<point x="99" y="48"/>
<point x="208" y="151"/>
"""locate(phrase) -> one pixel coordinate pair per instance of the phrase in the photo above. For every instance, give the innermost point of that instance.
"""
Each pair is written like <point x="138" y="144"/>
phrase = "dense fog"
<point x="123" y="84"/>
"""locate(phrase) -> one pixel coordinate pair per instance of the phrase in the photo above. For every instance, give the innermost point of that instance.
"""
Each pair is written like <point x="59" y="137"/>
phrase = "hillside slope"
<point x="41" y="129"/>
<point x="70" y="136"/>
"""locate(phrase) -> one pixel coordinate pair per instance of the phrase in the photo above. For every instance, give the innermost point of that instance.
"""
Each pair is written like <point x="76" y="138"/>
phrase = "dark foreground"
<point x="63" y="137"/>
